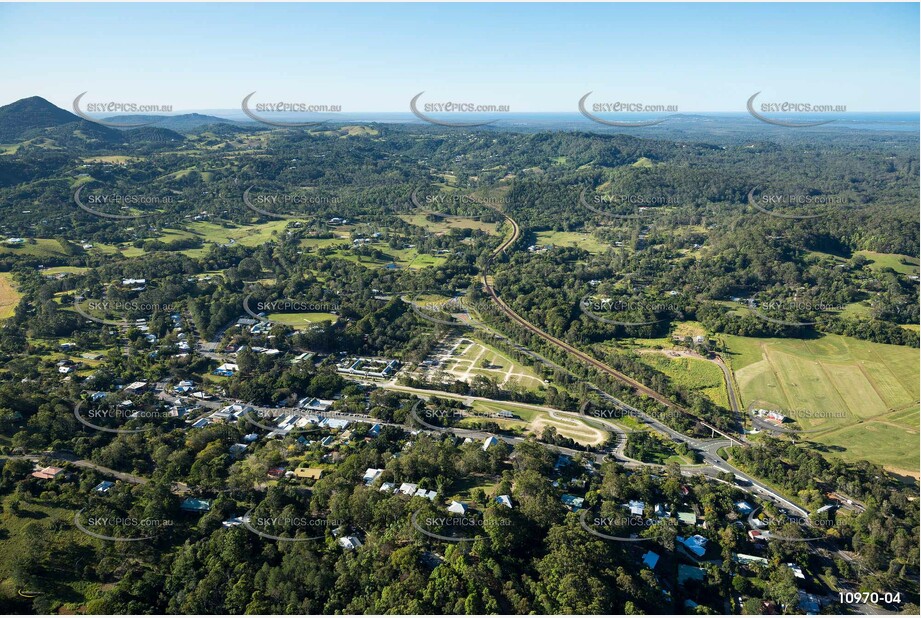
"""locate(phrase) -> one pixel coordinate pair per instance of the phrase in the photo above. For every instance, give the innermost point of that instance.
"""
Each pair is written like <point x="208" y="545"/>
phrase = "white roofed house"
<point x="371" y="475"/>
<point x="490" y="441"/>
<point x="349" y="542"/>
<point x="315" y="405"/>
<point x="458" y="508"/>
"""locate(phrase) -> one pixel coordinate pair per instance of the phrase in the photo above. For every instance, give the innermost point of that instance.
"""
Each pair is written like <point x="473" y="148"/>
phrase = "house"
<point x="302" y="357"/>
<point x="49" y="472"/>
<point x="202" y="422"/>
<point x="650" y="559"/>
<point x="195" y="505"/>
<point x="636" y="507"/>
<point x="757" y="535"/>
<point x="573" y="503"/>
<point x="314" y="404"/>
<point x="349" y="542"/>
<point x="371" y="475"/>
<point x="233" y="521"/>
<point x="749" y="559"/>
<point x="387" y="487"/>
<point x="375" y="430"/>
<point x="696" y="544"/>
<point x="231" y="412"/>
<point x="238" y="449"/>
<point x="423" y="493"/>
<point x="458" y="508"/>
<point x="66" y="370"/>
<point x="797" y="571"/>
<point x="661" y="511"/>
<point x="136" y="387"/>
<point x="327" y="441"/>
<point x="104" y="487"/>
<point x="275" y="473"/>
<point x="251" y="437"/>
<point x="408" y="489"/>
<point x="561" y="461"/>
<point x="334" y="423"/>
<point x="490" y="441"/>
<point x="744" y="507"/>
<point x="184" y="386"/>
<point x="227" y="370"/>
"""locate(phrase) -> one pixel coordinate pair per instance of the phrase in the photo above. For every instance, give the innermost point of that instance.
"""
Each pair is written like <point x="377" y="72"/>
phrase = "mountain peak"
<point x="31" y="113"/>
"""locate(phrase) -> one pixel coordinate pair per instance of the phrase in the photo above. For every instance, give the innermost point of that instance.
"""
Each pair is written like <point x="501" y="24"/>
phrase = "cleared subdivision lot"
<point x="860" y="398"/>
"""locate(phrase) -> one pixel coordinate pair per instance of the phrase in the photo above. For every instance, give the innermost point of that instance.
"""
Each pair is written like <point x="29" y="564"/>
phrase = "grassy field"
<point x="534" y="421"/>
<point x="301" y="320"/>
<point x="49" y="524"/>
<point x="69" y="270"/>
<point x="852" y="391"/>
<point x="209" y="233"/>
<point x="120" y="159"/>
<point x="572" y="239"/>
<point x="693" y="374"/>
<point x="403" y="258"/>
<point x="43" y="247"/>
<point x="453" y="223"/>
<point x="9" y="297"/>
<point x="903" y="264"/>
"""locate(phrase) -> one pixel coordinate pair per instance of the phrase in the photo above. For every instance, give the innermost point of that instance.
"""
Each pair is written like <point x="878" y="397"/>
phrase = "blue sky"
<point x="532" y="57"/>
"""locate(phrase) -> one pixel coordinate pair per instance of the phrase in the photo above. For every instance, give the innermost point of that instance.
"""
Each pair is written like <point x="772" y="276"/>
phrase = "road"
<point x="83" y="463"/>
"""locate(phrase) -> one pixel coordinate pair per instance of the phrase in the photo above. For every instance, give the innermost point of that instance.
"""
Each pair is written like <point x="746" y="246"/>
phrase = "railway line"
<point x="572" y="350"/>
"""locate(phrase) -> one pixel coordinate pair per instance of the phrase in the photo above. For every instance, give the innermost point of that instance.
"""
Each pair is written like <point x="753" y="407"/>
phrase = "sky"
<point x="531" y="57"/>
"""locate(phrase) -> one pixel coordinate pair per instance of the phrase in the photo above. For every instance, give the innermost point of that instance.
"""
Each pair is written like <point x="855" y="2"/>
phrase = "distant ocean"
<point x="858" y="121"/>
